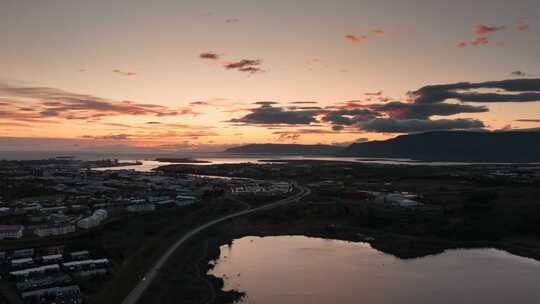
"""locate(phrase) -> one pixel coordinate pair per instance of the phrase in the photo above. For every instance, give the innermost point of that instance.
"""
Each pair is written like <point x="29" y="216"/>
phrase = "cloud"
<point x="209" y="56"/>
<point x="403" y="110"/>
<point x="267" y="114"/>
<point x="124" y="73"/>
<point x="354" y="38"/>
<point x="51" y="103"/>
<point x="528" y="120"/>
<point x="379" y="93"/>
<point x="251" y="66"/>
<point x="523" y="27"/>
<point x="391" y="125"/>
<point x="303" y="102"/>
<point x="108" y="137"/>
<point x="245" y="65"/>
<point x="517" y="90"/>
<point x="349" y="117"/>
<point x="482" y="30"/>
<point x="480" y="41"/>
<point x="521" y="74"/>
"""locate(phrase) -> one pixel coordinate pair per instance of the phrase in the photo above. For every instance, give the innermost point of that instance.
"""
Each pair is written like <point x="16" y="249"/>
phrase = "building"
<point x="52" y="258"/>
<point x="56" y="229"/>
<point x="18" y="263"/>
<point x="78" y="255"/>
<point x="94" y="220"/>
<point x="396" y="199"/>
<point x="67" y="294"/>
<point x="22" y="253"/>
<point x="86" y="264"/>
<point x="141" y="208"/>
<point x="36" y="270"/>
<point x="182" y="200"/>
<point x="11" y="231"/>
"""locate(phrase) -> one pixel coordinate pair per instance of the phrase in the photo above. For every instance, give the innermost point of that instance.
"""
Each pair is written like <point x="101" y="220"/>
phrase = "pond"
<point x="298" y="269"/>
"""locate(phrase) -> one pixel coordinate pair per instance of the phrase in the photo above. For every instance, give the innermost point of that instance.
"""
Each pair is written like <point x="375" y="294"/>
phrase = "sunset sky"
<point x="197" y="74"/>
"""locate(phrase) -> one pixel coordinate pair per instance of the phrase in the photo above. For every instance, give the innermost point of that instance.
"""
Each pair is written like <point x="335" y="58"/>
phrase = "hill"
<point x="455" y="146"/>
<point x="285" y="149"/>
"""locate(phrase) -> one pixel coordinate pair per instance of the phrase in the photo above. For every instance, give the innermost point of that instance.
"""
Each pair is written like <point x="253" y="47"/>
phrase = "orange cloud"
<point x="481" y="29"/>
<point x="354" y="38"/>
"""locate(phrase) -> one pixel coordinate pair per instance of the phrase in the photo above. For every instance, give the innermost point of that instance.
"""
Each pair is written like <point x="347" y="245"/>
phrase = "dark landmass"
<point x="285" y="149"/>
<point x="110" y="164"/>
<point x="465" y="206"/>
<point x="183" y="160"/>
<point x="455" y="146"/>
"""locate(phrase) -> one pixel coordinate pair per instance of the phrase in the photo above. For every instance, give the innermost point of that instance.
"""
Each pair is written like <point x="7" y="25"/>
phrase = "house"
<point x="78" y="255"/>
<point x="67" y="294"/>
<point x="94" y="220"/>
<point x="22" y="253"/>
<point x="17" y="263"/>
<point x="36" y="270"/>
<point x="11" y="231"/>
<point x="51" y="258"/>
<point x="55" y="229"/>
<point x="141" y="208"/>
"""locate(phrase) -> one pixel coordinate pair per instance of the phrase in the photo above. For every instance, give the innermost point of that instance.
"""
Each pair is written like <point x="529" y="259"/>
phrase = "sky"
<point x="205" y="75"/>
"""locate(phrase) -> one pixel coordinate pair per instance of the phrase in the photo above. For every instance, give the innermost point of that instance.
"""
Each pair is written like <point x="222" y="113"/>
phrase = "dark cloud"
<point x="403" y="110"/>
<point x="266" y="103"/>
<point x="523" y="90"/>
<point x="379" y="93"/>
<point x="528" y="120"/>
<point x="124" y="73"/>
<point x="303" y="102"/>
<point x="209" y="56"/>
<point x="349" y="117"/>
<point x="391" y="125"/>
<point x="267" y="114"/>
<point x="519" y="73"/>
<point x="245" y="65"/>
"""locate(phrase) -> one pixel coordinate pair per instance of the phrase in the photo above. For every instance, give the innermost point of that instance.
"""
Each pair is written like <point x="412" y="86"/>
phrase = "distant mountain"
<point x="455" y="146"/>
<point x="286" y="149"/>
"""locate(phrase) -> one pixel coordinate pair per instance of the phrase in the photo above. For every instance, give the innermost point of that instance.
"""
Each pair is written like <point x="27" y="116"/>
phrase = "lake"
<point x="298" y="269"/>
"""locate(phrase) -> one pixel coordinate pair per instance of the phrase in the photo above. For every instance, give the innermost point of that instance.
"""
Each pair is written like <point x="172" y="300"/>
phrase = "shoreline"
<point x="397" y="245"/>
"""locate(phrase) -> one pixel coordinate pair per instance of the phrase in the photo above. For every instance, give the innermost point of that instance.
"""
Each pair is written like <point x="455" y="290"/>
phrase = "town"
<point x="54" y="201"/>
<point x="72" y="231"/>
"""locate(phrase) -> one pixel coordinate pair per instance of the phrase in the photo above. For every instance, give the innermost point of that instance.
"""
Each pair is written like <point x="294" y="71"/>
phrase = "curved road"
<point x="147" y="280"/>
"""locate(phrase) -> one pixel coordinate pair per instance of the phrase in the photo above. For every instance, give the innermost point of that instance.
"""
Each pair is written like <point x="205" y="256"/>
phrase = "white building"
<point x="11" y="231"/>
<point x="94" y="220"/>
<point x="57" y="229"/>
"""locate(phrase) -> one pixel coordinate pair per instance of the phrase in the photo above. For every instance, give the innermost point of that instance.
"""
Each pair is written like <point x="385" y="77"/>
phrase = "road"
<point x="136" y="293"/>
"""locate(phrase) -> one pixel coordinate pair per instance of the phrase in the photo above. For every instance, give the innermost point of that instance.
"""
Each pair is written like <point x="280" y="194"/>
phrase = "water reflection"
<point x="297" y="269"/>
